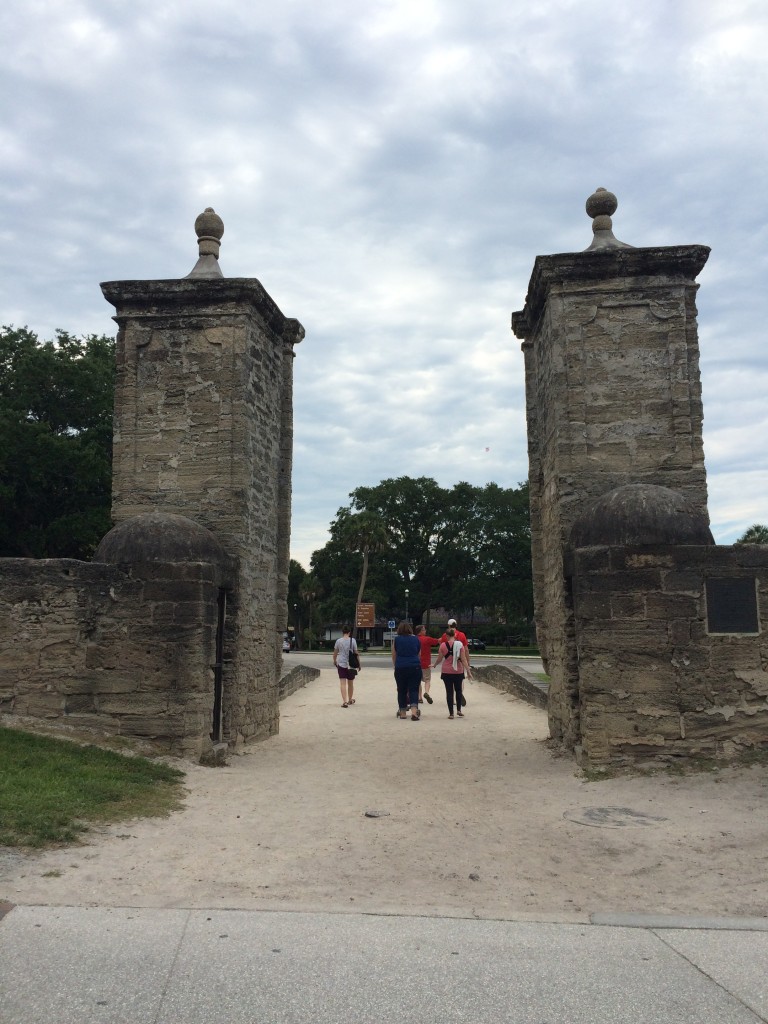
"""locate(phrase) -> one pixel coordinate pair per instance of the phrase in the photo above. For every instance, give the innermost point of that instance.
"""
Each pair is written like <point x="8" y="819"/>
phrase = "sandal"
<point x="345" y="705"/>
<point x="351" y="700"/>
<point x="414" y="718"/>
<point x="460" y="714"/>
<point x="427" y="698"/>
<point x="450" y="716"/>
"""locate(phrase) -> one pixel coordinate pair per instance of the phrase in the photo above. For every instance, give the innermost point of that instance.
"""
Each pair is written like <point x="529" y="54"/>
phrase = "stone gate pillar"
<point x="203" y="428"/>
<point x="613" y="397"/>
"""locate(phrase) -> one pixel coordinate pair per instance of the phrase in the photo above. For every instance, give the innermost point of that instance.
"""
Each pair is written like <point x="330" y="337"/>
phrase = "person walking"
<point x="426" y="643"/>
<point x="406" y="659"/>
<point x="455" y="665"/>
<point x="344" y="646"/>
<point x="461" y="637"/>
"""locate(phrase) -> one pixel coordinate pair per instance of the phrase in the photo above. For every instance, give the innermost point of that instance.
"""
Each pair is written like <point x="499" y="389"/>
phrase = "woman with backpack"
<point x="453" y="655"/>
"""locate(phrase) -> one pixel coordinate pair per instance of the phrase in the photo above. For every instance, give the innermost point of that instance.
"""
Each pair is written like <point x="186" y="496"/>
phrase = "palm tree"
<point x="756" y="534"/>
<point x="308" y="591"/>
<point x="365" y="532"/>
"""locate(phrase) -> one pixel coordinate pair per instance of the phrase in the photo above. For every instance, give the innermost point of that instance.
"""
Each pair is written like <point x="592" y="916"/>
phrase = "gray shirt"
<point x="341" y="648"/>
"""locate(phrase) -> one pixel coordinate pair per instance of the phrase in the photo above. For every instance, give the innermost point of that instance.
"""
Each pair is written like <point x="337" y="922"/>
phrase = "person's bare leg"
<point x="343" y="688"/>
<point x="350" y="690"/>
<point x="426" y="683"/>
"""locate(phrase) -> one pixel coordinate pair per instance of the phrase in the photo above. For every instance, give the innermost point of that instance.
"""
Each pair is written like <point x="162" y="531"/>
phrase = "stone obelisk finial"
<point x="209" y="228"/>
<point x="600" y="206"/>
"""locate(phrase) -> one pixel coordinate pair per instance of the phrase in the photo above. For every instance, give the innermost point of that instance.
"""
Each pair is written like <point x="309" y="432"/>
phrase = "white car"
<point x="286" y="646"/>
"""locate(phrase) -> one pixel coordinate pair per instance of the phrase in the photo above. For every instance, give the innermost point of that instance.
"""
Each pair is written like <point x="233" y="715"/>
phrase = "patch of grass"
<point x="50" y="789"/>
<point x="519" y="652"/>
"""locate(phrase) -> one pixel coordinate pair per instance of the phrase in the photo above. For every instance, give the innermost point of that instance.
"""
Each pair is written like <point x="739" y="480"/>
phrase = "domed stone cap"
<point x="640" y="515"/>
<point x="159" y="537"/>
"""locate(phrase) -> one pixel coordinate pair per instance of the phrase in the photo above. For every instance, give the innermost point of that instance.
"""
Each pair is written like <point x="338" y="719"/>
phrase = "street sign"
<point x="391" y="624"/>
<point x="390" y="636"/>
<point x="365" y="616"/>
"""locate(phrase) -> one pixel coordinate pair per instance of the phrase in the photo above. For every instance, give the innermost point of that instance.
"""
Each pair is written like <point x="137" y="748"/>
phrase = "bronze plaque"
<point x="366" y="616"/>
<point x="732" y="606"/>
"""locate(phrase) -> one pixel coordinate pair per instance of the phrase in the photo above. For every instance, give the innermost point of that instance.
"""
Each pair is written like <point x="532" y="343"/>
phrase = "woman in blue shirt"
<point x="406" y="657"/>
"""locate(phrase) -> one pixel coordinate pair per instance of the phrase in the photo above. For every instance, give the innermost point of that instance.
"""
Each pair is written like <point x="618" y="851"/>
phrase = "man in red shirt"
<point x="425" y="643"/>
<point x="462" y="637"/>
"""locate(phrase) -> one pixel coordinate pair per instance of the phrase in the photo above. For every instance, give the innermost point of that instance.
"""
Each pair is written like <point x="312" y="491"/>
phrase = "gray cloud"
<point x="389" y="171"/>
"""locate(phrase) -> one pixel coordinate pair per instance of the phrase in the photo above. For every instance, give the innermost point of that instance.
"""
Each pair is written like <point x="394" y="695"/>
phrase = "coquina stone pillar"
<point x="203" y="428"/>
<point x="613" y="397"/>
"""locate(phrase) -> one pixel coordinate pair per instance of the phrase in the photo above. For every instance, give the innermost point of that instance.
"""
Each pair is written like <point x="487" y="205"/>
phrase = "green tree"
<point x="56" y="402"/>
<point x="309" y="590"/>
<point x="756" y="534"/>
<point x="462" y="547"/>
<point x="364" y="533"/>
<point x="296" y="577"/>
<point x="418" y="518"/>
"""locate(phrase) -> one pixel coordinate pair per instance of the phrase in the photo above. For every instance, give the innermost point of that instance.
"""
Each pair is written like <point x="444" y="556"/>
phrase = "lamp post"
<point x="296" y="628"/>
<point x="407" y="592"/>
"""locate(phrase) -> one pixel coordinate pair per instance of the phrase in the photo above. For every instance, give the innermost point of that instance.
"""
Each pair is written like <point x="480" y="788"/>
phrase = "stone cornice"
<point x="200" y="297"/>
<point x="681" y="263"/>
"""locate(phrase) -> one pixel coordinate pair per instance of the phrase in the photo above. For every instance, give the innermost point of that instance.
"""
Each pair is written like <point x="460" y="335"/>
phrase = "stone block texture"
<point x="653" y="681"/>
<point x="613" y="397"/>
<point x="82" y="648"/>
<point x="203" y="429"/>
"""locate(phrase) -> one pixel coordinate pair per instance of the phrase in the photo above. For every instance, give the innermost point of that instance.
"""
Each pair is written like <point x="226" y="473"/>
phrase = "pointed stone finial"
<point x="209" y="228"/>
<point x="600" y="206"/>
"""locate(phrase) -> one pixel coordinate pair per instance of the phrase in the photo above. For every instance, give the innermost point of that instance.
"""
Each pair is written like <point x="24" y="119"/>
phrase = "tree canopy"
<point x="461" y="547"/>
<point x="56" y="400"/>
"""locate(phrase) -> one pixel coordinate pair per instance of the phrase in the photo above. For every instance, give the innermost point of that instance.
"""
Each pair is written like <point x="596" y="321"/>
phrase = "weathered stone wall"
<point x="203" y="428"/>
<point x="295" y="678"/>
<point x="653" y="681"/>
<point x="510" y="679"/>
<point x="613" y="397"/>
<point x="107" y="650"/>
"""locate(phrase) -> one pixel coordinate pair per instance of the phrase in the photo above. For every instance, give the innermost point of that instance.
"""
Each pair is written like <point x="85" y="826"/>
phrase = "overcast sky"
<point x="389" y="170"/>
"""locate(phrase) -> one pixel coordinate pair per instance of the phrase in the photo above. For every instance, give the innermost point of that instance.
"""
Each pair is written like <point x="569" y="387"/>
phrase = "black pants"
<point x="453" y="684"/>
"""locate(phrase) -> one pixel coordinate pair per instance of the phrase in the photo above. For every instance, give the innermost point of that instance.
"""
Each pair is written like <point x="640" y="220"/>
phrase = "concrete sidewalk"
<point x="127" y="966"/>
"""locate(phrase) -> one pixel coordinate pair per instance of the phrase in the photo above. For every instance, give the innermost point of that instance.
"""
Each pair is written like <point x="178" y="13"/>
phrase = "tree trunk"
<point x="360" y="592"/>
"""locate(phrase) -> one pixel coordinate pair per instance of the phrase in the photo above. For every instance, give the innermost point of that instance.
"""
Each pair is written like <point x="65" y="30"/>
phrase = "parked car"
<point x="286" y="646"/>
<point x="475" y="645"/>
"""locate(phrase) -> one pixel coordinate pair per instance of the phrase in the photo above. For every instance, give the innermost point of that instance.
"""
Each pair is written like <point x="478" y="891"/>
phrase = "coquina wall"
<point x="203" y="429"/>
<point x="175" y="631"/>
<point x="100" y="649"/>
<point x="656" y="679"/>
<point x="613" y="396"/>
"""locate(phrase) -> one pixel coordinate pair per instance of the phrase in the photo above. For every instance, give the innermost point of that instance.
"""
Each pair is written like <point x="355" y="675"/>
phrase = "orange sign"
<point x="365" y="617"/>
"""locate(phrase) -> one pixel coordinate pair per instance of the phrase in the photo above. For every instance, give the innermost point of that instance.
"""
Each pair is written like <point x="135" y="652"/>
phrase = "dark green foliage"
<point x="56" y="403"/>
<point x="50" y="789"/>
<point x="461" y="547"/>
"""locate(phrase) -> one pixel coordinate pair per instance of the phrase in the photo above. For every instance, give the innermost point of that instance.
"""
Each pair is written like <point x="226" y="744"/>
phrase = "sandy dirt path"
<point x="477" y="819"/>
